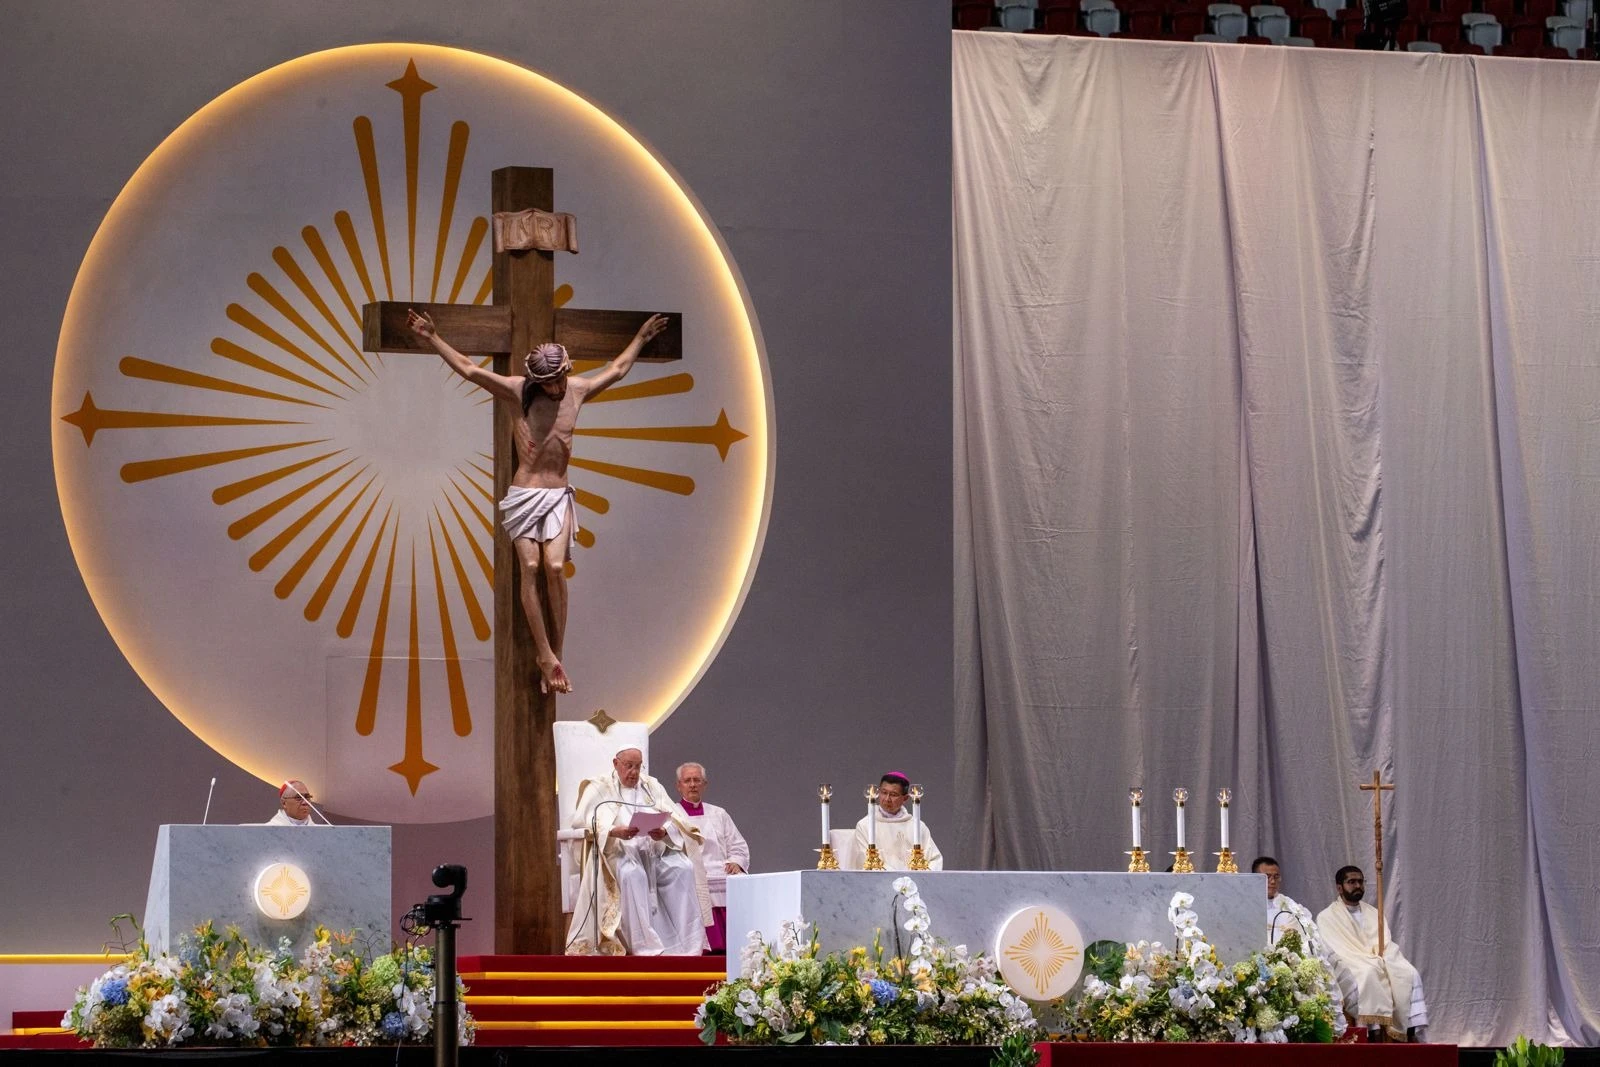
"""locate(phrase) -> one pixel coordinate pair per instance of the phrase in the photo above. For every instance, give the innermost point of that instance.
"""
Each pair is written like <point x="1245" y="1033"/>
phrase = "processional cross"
<point x="527" y="901"/>
<point x="1378" y="787"/>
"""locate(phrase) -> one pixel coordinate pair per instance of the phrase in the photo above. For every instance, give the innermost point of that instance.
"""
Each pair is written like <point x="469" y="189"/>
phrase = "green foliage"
<point x="220" y="990"/>
<point x="790" y="993"/>
<point x="1016" y="1050"/>
<point x="1524" y="1053"/>
<point x="1146" y="992"/>
<point x="1103" y="959"/>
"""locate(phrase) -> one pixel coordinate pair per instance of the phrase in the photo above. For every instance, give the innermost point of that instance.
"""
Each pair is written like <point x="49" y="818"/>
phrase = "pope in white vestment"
<point x="640" y="894"/>
<point x="894" y="830"/>
<point x="723" y="852"/>
<point x="1387" y="989"/>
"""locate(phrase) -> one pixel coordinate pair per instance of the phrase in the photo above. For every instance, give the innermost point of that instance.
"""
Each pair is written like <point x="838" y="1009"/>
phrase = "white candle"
<point x="872" y="817"/>
<point x="1180" y="825"/>
<point x="916" y="823"/>
<point x="1224" y="826"/>
<point x="825" y="834"/>
<point x="1137" y="843"/>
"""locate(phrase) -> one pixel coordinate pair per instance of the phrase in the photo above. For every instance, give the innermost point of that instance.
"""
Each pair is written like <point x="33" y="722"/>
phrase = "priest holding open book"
<point x="642" y="893"/>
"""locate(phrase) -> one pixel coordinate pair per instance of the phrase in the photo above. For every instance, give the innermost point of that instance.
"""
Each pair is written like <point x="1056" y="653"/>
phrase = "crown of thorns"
<point x="548" y="361"/>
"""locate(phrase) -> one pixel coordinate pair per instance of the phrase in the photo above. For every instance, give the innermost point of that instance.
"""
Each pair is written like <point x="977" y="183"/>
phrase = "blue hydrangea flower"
<point x="115" y="992"/>
<point x="884" y="993"/>
<point x="394" y="1026"/>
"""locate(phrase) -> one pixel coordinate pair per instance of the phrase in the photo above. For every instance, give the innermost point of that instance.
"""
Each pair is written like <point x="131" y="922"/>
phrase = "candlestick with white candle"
<point x="1137" y="863"/>
<point x="826" y="860"/>
<point x="1180" y="797"/>
<point x="825" y="794"/>
<point x="1223" y="796"/>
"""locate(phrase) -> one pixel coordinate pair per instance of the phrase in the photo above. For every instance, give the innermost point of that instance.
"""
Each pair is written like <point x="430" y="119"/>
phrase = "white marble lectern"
<point x="210" y="872"/>
<point x="971" y="907"/>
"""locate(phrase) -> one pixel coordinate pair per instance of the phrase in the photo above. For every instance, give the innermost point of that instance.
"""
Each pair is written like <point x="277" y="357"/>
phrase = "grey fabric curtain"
<point x="1278" y="462"/>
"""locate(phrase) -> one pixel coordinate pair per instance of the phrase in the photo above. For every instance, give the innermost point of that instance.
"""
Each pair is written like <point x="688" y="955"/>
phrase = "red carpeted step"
<point x="592" y="963"/>
<point x="35" y="1019"/>
<point x="600" y="1009"/>
<point x="598" y="1034"/>
<point x="41" y="1041"/>
<point x="564" y="986"/>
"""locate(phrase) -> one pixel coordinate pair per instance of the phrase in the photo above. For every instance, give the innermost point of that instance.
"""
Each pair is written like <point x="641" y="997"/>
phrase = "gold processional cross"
<point x="1378" y="787"/>
<point x="527" y="898"/>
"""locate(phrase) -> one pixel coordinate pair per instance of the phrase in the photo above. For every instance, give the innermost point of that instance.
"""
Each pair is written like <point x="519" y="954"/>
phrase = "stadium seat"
<point x="1481" y="29"/>
<point x="1101" y="17"/>
<point x="1270" y="21"/>
<point x="1424" y="46"/>
<point x="1228" y="21"/>
<point x="1565" y="33"/>
<point x="975" y="14"/>
<point x="1017" y="15"/>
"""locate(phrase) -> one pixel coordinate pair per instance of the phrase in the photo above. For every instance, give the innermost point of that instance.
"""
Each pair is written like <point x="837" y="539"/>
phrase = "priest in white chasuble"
<point x="894" y="830"/>
<point x="724" y="851"/>
<point x="642" y="893"/>
<point x="1284" y="914"/>
<point x="1388" y="990"/>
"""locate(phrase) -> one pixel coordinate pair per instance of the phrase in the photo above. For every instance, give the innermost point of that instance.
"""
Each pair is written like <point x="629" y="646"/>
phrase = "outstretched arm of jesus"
<point x="498" y="384"/>
<point x="613" y="372"/>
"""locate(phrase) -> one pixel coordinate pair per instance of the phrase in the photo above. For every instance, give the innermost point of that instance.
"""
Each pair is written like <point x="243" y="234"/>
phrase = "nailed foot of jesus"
<point x="553" y="679"/>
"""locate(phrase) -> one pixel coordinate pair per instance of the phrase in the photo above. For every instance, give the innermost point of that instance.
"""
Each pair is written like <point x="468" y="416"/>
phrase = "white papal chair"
<point x="584" y="751"/>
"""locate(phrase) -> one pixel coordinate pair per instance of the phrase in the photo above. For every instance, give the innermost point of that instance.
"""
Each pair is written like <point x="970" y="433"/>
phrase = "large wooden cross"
<point x="1378" y="787"/>
<point x="527" y="898"/>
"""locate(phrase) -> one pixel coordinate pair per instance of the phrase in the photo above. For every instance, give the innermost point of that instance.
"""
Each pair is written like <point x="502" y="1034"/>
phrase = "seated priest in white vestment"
<point x="722" y="853"/>
<point x="294" y="805"/>
<point x="1284" y="913"/>
<point x="640" y="893"/>
<point x="1387" y="990"/>
<point x="894" y="829"/>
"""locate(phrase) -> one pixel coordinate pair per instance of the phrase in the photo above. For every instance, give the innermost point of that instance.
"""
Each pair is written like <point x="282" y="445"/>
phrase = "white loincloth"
<point x="537" y="514"/>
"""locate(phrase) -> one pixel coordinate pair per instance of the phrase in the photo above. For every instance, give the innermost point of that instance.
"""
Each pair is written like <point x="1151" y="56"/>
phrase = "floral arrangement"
<point x="1146" y="992"/>
<point x="221" y="990"/>
<point x="931" y="994"/>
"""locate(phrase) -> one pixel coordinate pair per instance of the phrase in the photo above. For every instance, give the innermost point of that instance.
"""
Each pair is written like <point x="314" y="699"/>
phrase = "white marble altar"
<point x="208" y="872"/>
<point x="970" y="907"/>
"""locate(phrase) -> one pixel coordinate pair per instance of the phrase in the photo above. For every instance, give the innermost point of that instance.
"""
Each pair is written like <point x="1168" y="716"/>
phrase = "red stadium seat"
<point x="1313" y="22"/>
<point x="1184" y="23"/>
<point x="1347" y="23"/>
<point x="1143" y="23"/>
<point x="972" y="14"/>
<point x="1442" y="29"/>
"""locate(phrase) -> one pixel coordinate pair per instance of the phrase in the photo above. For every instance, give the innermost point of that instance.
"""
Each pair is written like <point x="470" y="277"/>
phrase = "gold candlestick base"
<point x="1225" y="862"/>
<point x="1181" y="863"/>
<point x="1137" y="863"/>
<point x="874" y="859"/>
<point x="826" y="860"/>
<point x="919" y="862"/>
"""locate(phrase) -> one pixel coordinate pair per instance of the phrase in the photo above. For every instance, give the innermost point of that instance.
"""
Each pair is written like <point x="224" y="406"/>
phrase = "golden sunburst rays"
<point x="1041" y="952"/>
<point x="295" y="431"/>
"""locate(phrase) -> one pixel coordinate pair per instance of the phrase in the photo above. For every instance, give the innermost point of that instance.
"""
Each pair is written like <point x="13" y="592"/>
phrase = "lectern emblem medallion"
<point x="282" y="891"/>
<point x="1040" y="953"/>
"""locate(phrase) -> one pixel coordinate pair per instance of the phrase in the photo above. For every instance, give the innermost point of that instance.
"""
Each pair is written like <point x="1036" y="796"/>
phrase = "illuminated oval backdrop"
<point x="290" y="538"/>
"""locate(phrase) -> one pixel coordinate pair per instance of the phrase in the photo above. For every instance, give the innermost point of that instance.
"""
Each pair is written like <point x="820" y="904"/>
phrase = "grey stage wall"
<point x="817" y="135"/>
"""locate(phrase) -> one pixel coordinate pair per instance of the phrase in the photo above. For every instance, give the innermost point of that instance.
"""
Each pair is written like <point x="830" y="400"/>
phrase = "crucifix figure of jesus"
<point x="538" y="512"/>
<point x="522" y="316"/>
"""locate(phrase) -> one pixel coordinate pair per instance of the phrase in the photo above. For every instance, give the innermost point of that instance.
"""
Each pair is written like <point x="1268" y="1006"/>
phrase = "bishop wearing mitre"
<point x="642" y="893"/>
